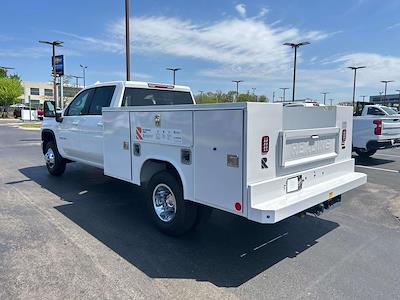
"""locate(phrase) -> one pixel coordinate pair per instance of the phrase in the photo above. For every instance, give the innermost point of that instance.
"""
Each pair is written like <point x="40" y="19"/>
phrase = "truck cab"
<point x="78" y="132"/>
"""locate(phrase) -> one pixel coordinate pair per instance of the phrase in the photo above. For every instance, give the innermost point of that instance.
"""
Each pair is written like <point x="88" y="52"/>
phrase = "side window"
<point x="102" y="98"/>
<point x="375" y="111"/>
<point x="78" y="105"/>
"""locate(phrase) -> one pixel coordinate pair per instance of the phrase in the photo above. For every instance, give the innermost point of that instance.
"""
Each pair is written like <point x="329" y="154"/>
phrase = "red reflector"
<point x="264" y="144"/>
<point x="238" y="206"/>
<point x="378" y="128"/>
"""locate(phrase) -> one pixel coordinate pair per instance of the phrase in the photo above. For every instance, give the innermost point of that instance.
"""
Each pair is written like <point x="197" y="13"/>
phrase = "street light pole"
<point x="284" y="93"/>
<point x="54" y="44"/>
<point x="127" y="42"/>
<point x="386" y="83"/>
<point x="5" y="69"/>
<point x="331" y="100"/>
<point x="399" y="95"/>
<point x="363" y="97"/>
<point x="84" y="74"/>
<point x="237" y="88"/>
<point x="325" y="93"/>
<point x="354" y="82"/>
<point x="295" y="46"/>
<point x="174" y="70"/>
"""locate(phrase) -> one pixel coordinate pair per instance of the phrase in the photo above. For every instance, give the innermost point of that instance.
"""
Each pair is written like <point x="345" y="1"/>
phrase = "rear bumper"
<point x="266" y="207"/>
<point x="383" y="144"/>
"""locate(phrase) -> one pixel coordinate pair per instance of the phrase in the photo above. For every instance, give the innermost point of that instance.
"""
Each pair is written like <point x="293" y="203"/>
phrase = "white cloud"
<point x="393" y="26"/>
<point x="263" y="12"/>
<point x="241" y="9"/>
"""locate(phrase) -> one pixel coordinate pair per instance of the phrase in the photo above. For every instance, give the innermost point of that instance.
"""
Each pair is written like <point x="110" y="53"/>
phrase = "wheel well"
<point x="47" y="136"/>
<point x="153" y="166"/>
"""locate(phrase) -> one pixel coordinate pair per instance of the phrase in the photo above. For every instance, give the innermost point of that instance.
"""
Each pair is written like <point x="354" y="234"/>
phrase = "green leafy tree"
<point x="221" y="97"/>
<point x="10" y="90"/>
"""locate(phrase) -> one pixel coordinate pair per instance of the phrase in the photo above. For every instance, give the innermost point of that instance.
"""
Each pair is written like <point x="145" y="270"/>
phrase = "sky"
<point x="214" y="42"/>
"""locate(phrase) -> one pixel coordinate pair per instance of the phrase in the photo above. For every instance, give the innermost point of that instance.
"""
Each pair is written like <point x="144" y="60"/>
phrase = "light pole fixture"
<point x="77" y="78"/>
<point x="127" y="42"/>
<point x="385" y="82"/>
<point x="295" y="46"/>
<point x="363" y="97"/>
<point x="54" y="44"/>
<point x="174" y="70"/>
<point x="354" y="81"/>
<point x="325" y="93"/>
<point x="84" y="74"/>
<point x="237" y="87"/>
<point x="5" y="69"/>
<point x="284" y="93"/>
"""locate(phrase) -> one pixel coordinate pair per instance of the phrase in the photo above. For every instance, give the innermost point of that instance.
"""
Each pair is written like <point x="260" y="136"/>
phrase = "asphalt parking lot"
<point x="86" y="235"/>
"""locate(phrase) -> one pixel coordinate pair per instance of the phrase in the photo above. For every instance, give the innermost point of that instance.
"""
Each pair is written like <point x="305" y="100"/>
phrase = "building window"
<point x="48" y="92"/>
<point x="35" y="91"/>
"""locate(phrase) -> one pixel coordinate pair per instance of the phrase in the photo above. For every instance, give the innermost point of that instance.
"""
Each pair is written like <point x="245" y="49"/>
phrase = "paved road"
<point x="85" y="235"/>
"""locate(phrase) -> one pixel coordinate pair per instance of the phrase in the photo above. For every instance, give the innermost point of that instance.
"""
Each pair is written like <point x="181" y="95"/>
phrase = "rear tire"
<point x="365" y="153"/>
<point x="55" y="163"/>
<point x="170" y="212"/>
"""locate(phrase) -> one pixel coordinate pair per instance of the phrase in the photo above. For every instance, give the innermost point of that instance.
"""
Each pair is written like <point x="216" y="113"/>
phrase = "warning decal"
<point x="167" y="136"/>
<point x="139" y="133"/>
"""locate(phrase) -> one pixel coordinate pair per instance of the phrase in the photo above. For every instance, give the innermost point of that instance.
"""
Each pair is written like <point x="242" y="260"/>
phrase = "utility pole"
<point x="5" y="69"/>
<point x="354" y="82"/>
<point x="295" y="47"/>
<point x="363" y="98"/>
<point x="325" y="93"/>
<point x="127" y="42"/>
<point x="76" y="77"/>
<point x="385" y="82"/>
<point x="54" y="44"/>
<point x="284" y="93"/>
<point x="173" y="70"/>
<point x="84" y="74"/>
<point x="237" y="88"/>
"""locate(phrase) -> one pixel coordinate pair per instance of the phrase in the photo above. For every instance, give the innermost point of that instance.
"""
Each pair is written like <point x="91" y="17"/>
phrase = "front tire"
<point x="170" y="212"/>
<point x="55" y="163"/>
<point x="365" y="153"/>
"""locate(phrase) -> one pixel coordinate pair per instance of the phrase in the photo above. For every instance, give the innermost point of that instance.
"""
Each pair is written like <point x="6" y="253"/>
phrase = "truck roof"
<point x="146" y="85"/>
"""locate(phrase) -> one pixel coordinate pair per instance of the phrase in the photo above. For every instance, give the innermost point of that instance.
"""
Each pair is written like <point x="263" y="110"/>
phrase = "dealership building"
<point x="35" y="93"/>
<point x="389" y="100"/>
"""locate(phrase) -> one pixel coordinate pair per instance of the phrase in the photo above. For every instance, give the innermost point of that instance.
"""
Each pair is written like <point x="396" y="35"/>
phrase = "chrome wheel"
<point x="164" y="202"/>
<point x="50" y="158"/>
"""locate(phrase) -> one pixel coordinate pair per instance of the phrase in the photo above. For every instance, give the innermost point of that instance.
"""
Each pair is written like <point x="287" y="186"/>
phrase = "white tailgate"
<point x="308" y="145"/>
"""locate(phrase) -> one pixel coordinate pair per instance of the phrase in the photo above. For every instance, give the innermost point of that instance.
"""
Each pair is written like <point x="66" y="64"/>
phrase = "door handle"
<point x="100" y="124"/>
<point x="75" y="123"/>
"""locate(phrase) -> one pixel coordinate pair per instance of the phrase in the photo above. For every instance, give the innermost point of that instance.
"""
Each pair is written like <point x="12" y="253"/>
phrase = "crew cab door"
<point x="69" y="137"/>
<point x="91" y="127"/>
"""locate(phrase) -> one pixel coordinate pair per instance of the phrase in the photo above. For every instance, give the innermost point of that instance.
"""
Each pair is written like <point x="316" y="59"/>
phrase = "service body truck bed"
<point x="265" y="162"/>
<point x="261" y="161"/>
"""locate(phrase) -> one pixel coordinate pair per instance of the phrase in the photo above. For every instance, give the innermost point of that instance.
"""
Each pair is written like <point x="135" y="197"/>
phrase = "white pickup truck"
<point x="261" y="161"/>
<point x="375" y="127"/>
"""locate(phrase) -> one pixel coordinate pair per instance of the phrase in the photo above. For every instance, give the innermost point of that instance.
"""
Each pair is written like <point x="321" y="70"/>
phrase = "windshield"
<point x="389" y="111"/>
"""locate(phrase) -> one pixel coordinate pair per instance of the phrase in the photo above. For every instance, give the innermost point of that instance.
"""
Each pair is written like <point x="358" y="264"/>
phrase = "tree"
<point x="10" y="90"/>
<point x="221" y="97"/>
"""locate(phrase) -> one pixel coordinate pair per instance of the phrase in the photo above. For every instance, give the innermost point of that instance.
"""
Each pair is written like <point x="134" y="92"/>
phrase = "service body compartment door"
<point x="218" y="158"/>
<point x="117" y="145"/>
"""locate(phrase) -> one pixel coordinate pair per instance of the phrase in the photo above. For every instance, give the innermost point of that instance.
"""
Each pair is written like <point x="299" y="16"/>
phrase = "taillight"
<point x="378" y="128"/>
<point x="264" y="145"/>
<point x="344" y="136"/>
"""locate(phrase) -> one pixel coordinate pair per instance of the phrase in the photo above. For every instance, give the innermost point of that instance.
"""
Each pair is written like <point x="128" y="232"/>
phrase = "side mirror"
<point x="59" y="117"/>
<point x="49" y="109"/>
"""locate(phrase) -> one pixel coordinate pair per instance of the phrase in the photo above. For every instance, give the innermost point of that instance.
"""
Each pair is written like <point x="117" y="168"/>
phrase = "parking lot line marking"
<point x="266" y="243"/>
<point x="388" y="155"/>
<point x="378" y="169"/>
